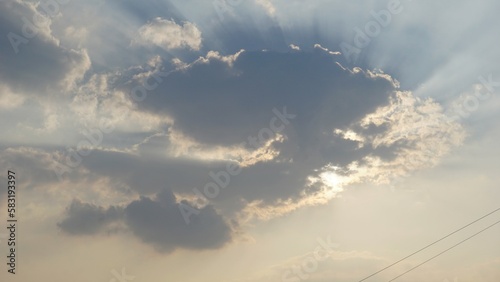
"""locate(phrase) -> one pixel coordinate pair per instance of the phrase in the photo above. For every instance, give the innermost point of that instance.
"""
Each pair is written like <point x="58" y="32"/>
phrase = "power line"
<point x="431" y="244"/>
<point x="445" y="251"/>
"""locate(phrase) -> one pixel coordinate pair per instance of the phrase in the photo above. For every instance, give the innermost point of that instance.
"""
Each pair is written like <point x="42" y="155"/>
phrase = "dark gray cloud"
<point x="83" y="218"/>
<point x="221" y="101"/>
<point x="33" y="62"/>
<point x="160" y="222"/>
<point x="32" y="166"/>
<point x="151" y="175"/>
<point x="157" y="221"/>
<point x="221" y="104"/>
<point x="266" y="181"/>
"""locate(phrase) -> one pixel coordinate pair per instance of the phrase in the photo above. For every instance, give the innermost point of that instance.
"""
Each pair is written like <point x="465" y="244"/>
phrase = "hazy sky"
<point x="250" y="140"/>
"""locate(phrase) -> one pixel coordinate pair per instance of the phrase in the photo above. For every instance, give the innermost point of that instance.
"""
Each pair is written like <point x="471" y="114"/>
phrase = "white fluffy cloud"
<point x="267" y="5"/>
<point x="169" y="35"/>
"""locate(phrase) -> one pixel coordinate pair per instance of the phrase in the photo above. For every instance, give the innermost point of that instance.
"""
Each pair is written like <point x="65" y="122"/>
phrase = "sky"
<point x="249" y="140"/>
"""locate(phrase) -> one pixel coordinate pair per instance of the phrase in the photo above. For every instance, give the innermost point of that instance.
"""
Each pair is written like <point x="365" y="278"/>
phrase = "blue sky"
<point x="250" y="140"/>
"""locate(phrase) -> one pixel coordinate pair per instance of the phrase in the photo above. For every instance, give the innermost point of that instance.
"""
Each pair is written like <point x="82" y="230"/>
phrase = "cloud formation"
<point x="220" y="100"/>
<point x="33" y="61"/>
<point x="349" y="126"/>
<point x="169" y="35"/>
<point x="160" y="222"/>
<point x="157" y="221"/>
<point x="84" y="218"/>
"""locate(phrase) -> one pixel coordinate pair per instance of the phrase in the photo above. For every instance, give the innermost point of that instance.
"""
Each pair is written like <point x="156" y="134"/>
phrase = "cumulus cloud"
<point x="157" y="221"/>
<point x="216" y="99"/>
<point x="34" y="164"/>
<point x="294" y="47"/>
<point x="160" y="222"/>
<point x="417" y="134"/>
<point x="37" y="74"/>
<point x="351" y="126"/>
<point x="84" y="218"/>
<point x="33" y="61"/>
<point x="169" y="35"/>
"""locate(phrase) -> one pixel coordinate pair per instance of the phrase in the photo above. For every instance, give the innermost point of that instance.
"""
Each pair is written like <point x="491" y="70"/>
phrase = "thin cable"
<point x="445" y="251"/>
<point x="429" y="245"/>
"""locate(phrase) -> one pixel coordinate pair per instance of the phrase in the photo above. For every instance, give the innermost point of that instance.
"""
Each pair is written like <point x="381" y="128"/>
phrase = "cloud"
<point x="267" y="5"/>
<point x="40" y="65"/>
<point x="351" y="126"/>
<point x="294" y="47"/>
<point x="34" y="164"/>
<point x="37" y="74"/>
<point x="9" y="100"/>
<point x="418" y="135"/>
<point x="157" y="221"/>
<point x="221" y="100"/>
<point x="160" y="222"/>
<point x="169" y="35"/>
<point x="318" y="46"/>
<point x="83" y="218"/>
